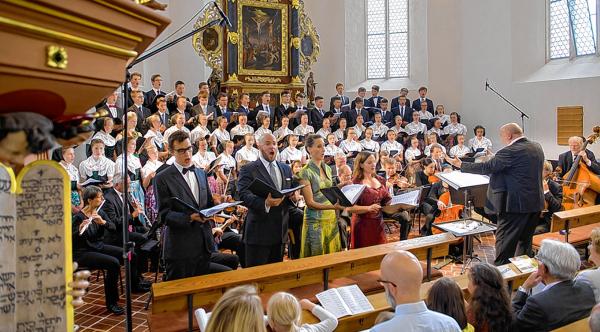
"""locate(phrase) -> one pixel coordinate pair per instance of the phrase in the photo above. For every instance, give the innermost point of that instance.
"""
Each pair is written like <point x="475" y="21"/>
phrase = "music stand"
<point x="467" y="188"/>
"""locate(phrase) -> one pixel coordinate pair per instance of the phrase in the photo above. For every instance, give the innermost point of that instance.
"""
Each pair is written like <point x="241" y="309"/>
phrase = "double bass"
<point x="580" y="186"/>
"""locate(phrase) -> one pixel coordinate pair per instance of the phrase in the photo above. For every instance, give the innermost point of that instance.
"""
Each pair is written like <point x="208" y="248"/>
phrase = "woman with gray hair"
<point x="562" y="300"/>
<point x="593" y="276"/>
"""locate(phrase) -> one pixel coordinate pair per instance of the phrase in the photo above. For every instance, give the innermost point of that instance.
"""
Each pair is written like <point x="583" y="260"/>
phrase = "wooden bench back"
<point x="207" y="289"/>
<point x="577" y="326"/>
<point x="576" y="218"/>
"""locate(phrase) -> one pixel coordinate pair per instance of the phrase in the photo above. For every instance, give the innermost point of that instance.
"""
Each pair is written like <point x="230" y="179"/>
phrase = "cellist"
<point x="565" y="160"/>
<point x="433" y="204"/>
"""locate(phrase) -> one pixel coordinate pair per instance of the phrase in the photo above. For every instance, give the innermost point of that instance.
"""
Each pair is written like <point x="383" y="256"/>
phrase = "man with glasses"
<point x="401" y="277"/>
<point x="188" y="236"/>
<point x="562" y="300"/>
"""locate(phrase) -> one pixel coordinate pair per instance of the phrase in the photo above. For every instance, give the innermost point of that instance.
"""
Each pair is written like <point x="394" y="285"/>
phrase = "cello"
<point x="580" y="185"/>
<point x="450" y="213"/>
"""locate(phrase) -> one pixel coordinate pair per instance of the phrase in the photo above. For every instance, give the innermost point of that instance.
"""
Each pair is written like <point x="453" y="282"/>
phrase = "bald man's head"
<point x="510" y="131"/>
<point x="402" y="274"/>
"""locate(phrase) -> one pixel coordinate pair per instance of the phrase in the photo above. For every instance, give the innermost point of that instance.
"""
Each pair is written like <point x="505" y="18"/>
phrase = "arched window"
<point x="572" y="28"/>
<point x="387" y="38"/>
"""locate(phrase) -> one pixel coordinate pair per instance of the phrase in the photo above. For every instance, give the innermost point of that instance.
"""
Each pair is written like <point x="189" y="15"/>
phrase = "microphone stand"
<point x="523" y="115"/>
<point x="127" y="245"/>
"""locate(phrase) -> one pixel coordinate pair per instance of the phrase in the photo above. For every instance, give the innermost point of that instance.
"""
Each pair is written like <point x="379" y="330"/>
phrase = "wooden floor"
<point x="94" y="317"/>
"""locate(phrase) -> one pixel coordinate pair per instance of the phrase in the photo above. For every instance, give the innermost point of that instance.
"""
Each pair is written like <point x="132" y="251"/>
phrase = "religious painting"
<point x="263" y="29"/>
<point x="210" y="39"/>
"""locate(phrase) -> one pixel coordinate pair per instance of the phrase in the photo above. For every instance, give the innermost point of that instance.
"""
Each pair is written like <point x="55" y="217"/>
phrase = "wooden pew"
<point x="563" y="220"/>
<point x="577" y="326"/>
<point x="579" y="236"/>
<point x="367" y="320"/>
<point x="203" y="291"/>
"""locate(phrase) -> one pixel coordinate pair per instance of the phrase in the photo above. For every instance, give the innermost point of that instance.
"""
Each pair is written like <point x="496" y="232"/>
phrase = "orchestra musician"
<point x="553" y="196"/>
<point x="565" y="160"/>
<point x="395" y="184"/>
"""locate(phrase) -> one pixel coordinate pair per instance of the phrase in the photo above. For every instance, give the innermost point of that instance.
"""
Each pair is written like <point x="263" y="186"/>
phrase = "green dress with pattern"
<point x="320" y="232"/>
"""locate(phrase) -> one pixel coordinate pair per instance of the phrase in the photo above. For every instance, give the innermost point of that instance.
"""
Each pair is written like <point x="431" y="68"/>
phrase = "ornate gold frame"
<point x="307" y="29"/>
<point x="284" y="38"/>
<point x="214" y="58"/>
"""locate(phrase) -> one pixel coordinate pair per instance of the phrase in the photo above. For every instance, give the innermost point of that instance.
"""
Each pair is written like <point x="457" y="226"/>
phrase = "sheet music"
<point x="218" y="208"/>
<point x="344" y="301"/>
<point x="407" y="198"/>
<point x="458" y="179"/>
<point x="90" y="181"/>
<point x="291" y="190"/>
<point x="355" y="299"/>
<point x="353" y="191"/>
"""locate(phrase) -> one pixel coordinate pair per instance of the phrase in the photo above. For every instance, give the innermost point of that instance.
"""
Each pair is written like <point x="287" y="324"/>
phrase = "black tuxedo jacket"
<point x="264" y="228"/>
<point x="351" y="115"/>
<point x="141" y="118"/>
<point x="315" y="118"/>
<point x="407" y="115"/>
<point x="396" y="103"/>
<point x="565" y="161"/>
<point x="561" y="304"/>
<point x="184" y="239"/>
<point x="345" y="101"/>
<point x="515" y="178"/>
<point x="254" y="113"/>
<point x="91" y="239"/>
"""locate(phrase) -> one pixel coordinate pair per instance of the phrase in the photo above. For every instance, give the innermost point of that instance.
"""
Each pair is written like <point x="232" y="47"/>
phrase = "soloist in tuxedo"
<point x="188" y="237"/>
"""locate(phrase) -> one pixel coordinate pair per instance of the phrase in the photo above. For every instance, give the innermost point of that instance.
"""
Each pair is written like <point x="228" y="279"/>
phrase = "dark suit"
<point x="405" y="112"/>
<point x="280" y="112"/>
<point x="515" y="194"/>
<point x="345" y="101"/>
<point x="387" y="117"/>
<point x="396" y="103"/>
<point x="563" y="303"/>
<point x="351" y="116"/>
<point x="142" y="115"/>
<point x="315" y="118"/>
<point x="118" y="119"/>
<point x="212" y="121"/>
<point x="416" y="105"/>
<point x="295" y="121"/>
<point x="149" y="98"/>
<point x="374" y="101"/>
<point x="565" y="161"/>
<point x="172" y="105"/>
<point x="367" y="103"/>
<point x="553" y="199"/>
<point x="254" y="113"/>
<point x="187" y="244"/>
<point x="211" y="101"/>
<point x="265" y="233"/>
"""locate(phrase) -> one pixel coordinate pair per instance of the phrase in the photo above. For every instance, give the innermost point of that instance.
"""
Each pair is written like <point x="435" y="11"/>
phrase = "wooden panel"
<point x="569" y="122"/>
<point x="576" y="217"/>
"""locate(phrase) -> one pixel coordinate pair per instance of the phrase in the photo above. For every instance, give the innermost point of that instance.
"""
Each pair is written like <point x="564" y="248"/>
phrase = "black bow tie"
<point x="191" y="168"/>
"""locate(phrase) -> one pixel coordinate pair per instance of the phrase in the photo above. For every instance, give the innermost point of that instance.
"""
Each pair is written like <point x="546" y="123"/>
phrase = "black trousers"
<point x="141" y="257"/>
<point x="404" y="220"/>
<point x="430" y="213"/>
<point x="221" y="262"/>
<point x="295" y="224"/>
<point x="184" y="268"/>
<point x="261" y="255"/>
<point x="514" y="235"/>
<point x="233" y="241"/>
<point x="108" y="259"/>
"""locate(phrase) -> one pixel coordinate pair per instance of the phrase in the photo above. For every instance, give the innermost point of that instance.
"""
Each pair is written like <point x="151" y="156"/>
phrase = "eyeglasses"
<point x="386" y="282"/>
<point x="184" y="150"/>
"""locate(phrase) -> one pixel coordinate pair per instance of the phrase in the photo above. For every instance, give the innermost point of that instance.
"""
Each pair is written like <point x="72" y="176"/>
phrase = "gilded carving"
<point x="56" y="57"/>
<point x="295" y="42"/>
<point x="309" y="42"/>
<point x="233" y="37"/>
<point x="209" y="43"/>
<point x="261" y="79"/>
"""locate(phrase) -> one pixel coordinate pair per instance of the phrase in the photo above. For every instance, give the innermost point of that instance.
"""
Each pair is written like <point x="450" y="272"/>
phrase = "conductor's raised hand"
<point x="270" y="201"/>
<point x="454" y="161"/>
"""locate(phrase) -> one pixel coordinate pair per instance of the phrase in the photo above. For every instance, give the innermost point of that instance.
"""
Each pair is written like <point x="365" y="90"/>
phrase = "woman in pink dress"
<point x="367" y="218"/>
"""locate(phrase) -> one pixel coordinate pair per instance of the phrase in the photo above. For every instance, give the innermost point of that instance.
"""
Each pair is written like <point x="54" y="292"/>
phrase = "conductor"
<point x="515" y="191"/>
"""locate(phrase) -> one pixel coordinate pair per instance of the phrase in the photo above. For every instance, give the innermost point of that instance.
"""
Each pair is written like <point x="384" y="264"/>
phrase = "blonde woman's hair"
<point x="595" y="240"/>
<point x="548" y="166"/>
<point x="239" y="309"/>
<point x="284" y="311"/>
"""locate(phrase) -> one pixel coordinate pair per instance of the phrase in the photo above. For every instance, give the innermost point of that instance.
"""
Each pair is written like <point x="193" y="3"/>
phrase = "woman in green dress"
<point x="320" y="232"/>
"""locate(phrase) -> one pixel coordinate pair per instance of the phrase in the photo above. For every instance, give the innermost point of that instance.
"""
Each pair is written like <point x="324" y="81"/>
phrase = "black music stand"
<point x="470" y="190"/>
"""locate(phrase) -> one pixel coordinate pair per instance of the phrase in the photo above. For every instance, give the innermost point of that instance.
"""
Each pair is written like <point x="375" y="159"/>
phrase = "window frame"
<point x="572" y="50"/>
<point x="387" y="42"/>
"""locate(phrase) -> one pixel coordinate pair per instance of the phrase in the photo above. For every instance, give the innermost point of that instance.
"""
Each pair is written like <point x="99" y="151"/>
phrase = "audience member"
<point x="239" y="309"/>
<point x="284" y="314"/>
<point x="488" y="308"/>
<point x="446" y="297"/>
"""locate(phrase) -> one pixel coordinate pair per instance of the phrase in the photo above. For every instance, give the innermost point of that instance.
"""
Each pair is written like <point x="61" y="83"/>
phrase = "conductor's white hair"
<point x="561" y="259"/>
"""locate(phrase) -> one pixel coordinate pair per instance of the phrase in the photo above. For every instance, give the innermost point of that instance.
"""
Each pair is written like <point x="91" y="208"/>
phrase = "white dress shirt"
<point x="191" y="180"/>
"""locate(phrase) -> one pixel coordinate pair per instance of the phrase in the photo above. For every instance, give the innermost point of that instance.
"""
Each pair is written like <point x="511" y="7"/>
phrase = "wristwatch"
<point x="524" y="290"/>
